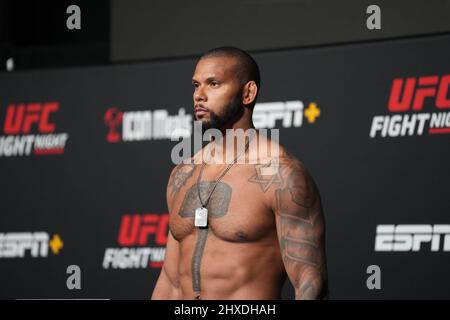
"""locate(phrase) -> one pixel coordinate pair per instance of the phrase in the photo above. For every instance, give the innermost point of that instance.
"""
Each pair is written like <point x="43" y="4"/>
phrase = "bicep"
<point x="301" y="232"/>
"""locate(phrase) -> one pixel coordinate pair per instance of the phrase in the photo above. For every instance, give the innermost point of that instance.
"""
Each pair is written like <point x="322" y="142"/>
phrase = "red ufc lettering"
<point x="135" y="229"/>
<point x="426" y="88"/>
<point x="20" y="118"/>
<point x="129" y="228"/>
<point x="153" y="224"/>
<point x="442" y="100"/>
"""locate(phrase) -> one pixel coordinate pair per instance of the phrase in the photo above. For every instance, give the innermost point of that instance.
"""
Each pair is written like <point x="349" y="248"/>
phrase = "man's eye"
<point x="214" y="83"/>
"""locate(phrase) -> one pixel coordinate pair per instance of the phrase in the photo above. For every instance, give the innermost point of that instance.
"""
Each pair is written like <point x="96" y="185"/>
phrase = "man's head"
<point x="226" y="83"/>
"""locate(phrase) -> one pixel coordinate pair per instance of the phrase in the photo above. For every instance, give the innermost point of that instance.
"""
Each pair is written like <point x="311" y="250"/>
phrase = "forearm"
<point x="159" y="294"/>
<point x="168" y="293"/>
<point x="164" y="289"/>
<point x="311" y="287"/>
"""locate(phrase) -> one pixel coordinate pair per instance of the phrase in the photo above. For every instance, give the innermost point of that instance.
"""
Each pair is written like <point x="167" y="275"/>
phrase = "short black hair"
<point x="248" y="69"/>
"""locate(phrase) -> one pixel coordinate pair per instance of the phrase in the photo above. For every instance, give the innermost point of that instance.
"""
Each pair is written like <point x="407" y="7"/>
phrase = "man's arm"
<point x="167" y="286"/>
<point x="301" y="230"/>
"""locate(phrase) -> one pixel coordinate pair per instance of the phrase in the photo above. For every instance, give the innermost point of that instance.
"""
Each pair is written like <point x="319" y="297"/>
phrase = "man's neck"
<point x="231" y="144"/>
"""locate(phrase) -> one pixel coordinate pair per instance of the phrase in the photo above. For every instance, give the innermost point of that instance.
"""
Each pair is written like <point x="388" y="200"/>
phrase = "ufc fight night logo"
<point x="142" y="239"/>
<point x="408" y="99"/>
<point x="412" y="237"/>
<point x="29" y="129"/>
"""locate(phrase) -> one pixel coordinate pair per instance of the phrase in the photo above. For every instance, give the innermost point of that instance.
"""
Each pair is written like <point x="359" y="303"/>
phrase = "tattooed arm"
<point x="301" y="230"/>
<point x="167" y="286"/>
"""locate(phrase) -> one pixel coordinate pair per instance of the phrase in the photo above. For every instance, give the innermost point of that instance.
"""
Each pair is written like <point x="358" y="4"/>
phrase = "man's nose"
<point x="199" y="94"/>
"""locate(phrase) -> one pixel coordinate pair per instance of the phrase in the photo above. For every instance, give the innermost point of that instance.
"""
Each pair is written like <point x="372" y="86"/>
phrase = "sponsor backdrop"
<point x="85" y="159"/>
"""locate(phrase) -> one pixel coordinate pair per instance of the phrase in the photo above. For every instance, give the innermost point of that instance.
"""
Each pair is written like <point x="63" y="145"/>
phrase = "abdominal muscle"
<point x="232" y="270"/>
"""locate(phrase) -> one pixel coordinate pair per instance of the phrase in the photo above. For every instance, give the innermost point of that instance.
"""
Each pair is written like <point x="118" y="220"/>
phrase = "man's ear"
<point x="249" y="93"/>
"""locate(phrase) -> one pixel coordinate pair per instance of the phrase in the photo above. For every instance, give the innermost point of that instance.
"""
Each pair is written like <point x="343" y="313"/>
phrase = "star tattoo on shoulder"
<point x="266" y="175"/>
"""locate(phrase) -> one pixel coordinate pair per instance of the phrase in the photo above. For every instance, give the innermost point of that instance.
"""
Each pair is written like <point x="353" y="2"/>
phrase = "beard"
<point x="232" y="112"/>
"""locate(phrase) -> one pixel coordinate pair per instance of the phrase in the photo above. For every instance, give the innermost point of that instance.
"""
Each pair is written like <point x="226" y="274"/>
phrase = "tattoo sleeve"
<point x="301" y="231"/>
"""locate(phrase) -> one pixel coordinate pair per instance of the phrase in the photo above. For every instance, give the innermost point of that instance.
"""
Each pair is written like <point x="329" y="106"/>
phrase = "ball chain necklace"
<point x="201" y="214"/>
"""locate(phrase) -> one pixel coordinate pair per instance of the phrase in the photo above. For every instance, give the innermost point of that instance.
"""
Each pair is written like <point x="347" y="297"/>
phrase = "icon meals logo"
<point x="21" y="120"/>
<point x="406" y="101"/>
<point x="146" y="125"/>
<point x="136" y="250"/>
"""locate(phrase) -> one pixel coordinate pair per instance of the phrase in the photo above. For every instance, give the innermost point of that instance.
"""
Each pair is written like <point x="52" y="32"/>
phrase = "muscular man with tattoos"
<point x="264" y="218"/>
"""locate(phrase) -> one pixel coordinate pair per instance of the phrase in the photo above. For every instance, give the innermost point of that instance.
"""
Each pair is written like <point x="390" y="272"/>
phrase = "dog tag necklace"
<point x="201" y="214"/>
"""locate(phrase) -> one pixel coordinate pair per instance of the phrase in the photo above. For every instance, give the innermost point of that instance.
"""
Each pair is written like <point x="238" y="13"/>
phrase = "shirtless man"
<point x="262" y="224"/>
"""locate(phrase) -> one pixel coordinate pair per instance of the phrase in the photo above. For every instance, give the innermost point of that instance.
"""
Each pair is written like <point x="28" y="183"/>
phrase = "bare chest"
<point x="236" y="208"/>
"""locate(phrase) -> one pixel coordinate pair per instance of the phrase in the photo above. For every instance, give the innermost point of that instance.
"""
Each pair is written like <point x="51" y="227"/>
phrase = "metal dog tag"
<point x="201" y="217"/>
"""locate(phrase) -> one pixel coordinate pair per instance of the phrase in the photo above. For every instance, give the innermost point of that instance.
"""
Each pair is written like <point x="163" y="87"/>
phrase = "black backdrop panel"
<point x="85" y="158"/>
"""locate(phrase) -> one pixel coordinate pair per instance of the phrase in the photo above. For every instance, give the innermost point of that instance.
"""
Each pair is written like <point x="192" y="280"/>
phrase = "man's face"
<point x="217" y="92"/>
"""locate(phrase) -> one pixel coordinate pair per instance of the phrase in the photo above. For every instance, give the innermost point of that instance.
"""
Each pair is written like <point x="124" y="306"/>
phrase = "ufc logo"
<point x="20" y="118"/>
<point x="135" y="229"/>
<point x="415" y="91"/>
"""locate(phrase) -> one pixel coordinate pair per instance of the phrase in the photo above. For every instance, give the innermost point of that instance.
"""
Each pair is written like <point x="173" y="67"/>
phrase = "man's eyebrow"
<point x="209" y="79"/>
<point x="212" y="79"/>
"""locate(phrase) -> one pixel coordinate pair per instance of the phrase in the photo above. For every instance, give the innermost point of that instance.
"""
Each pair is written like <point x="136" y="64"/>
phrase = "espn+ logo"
<point x="37" y="244"/>
<point x="412" y="237"/>
<point x="290" y="113"/>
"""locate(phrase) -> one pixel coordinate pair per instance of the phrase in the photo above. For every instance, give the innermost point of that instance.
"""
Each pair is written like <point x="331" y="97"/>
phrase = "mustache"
<point x="200" y="106"/>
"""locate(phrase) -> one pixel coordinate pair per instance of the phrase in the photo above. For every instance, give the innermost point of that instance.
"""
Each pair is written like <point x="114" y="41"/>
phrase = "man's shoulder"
<point x="275" y="153"/>
<point x="289" y="160"/>
<point x="179" y="175"/>
<point x="186" y="162"/>
<point x="297" y="178"/>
